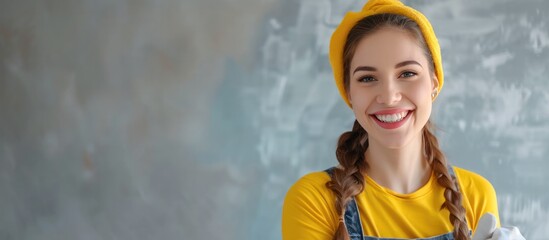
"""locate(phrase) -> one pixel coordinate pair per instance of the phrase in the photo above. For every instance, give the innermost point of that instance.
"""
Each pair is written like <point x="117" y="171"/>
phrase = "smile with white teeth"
<point x="391" y="118"/>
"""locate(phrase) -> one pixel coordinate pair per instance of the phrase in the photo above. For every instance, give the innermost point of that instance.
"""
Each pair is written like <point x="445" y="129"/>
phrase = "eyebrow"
<point x="402" y="64"/>
<point x="398" y="65"/>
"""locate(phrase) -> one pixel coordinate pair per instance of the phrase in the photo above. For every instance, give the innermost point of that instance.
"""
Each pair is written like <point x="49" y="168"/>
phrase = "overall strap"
<point x="352" y="217"/>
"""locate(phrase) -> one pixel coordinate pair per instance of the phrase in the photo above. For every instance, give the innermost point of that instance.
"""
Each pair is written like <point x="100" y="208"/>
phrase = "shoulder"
<point x="311" y="185"/>
<point x="314" y="178"/>
<point x="308" y="210"/>
<point x="479" y="196"/>
<point x="473" y="183"/>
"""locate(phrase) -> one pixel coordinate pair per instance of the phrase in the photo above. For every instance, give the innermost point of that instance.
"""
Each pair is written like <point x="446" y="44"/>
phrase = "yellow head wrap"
<point x="372" y="7"/>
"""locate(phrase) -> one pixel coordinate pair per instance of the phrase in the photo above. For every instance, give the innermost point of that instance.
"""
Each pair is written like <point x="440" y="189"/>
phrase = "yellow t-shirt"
<point x="309" y="211"/>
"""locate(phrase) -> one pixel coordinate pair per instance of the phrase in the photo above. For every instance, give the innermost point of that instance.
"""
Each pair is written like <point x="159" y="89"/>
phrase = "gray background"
<point x="190" y="119"/>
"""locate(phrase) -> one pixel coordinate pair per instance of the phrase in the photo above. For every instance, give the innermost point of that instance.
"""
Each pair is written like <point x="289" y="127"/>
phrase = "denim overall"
<point x="354" y="225"/>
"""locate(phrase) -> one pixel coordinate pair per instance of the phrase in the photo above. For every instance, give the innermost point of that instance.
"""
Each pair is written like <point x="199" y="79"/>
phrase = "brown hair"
<point x="348" y="181"/>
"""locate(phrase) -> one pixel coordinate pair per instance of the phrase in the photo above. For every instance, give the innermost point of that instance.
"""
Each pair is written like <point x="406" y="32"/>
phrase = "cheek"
<point x="421" y="97"/>
<point x="361" y="98"/>
<point x="420" y="93"/>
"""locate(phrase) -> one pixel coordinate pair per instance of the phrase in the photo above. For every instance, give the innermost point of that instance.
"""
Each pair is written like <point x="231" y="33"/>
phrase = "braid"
<point x="349" y="181"/>
<point x="451" y="194"/>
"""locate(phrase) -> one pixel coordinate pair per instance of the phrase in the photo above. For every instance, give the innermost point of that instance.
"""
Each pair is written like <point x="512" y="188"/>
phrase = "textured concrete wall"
<point x="190" y="119"/>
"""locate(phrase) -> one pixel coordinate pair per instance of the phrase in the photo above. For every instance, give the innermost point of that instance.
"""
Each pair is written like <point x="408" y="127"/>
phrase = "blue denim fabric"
<point x="354" y="225"/>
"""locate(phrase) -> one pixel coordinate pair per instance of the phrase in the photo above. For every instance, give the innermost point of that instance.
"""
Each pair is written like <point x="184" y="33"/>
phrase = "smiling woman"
<point x="392" y="181"/>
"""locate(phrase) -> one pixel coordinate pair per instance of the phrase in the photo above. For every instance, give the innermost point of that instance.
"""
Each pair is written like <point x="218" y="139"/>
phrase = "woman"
<point x="392" y="180"/>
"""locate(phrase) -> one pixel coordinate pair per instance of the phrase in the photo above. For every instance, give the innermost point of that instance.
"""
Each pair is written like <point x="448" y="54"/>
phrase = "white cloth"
<point x="486" y="230"/>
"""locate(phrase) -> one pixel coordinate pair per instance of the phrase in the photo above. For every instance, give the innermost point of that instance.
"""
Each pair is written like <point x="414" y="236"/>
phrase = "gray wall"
<point x="190" y="119"/>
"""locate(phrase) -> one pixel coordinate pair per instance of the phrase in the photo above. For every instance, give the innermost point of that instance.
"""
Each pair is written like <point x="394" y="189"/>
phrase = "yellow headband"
<point x="372" y="7"/>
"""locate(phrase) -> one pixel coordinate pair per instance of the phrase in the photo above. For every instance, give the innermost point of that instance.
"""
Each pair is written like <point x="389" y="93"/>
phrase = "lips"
<point x="391" y="118"/>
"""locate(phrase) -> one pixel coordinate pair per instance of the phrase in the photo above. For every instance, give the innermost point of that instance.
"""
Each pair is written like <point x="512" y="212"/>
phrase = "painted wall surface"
<point x="190" y="119"/>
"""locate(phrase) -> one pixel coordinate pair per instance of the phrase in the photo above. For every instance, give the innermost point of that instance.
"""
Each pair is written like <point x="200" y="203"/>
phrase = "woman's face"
<point x="390" y="87"/>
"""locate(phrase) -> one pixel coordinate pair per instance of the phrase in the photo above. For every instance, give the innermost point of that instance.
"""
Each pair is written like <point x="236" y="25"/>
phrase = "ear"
<point x="348" y="97"/>
<point x="434" y="83"/>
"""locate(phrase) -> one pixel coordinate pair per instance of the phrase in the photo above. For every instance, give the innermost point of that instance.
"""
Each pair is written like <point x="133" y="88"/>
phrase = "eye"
<point x="407" y="74"/>
<point x="366" y="79"/>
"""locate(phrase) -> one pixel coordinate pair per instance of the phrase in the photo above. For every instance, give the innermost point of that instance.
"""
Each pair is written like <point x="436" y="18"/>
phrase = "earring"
<point x="434" y="94"/>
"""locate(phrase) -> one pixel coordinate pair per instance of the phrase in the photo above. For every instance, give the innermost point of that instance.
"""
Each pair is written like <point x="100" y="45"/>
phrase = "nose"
<point x="389" y="93"/>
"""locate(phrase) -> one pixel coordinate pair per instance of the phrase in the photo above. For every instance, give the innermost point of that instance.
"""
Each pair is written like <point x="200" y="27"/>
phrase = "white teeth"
<point x="391" y="118"/>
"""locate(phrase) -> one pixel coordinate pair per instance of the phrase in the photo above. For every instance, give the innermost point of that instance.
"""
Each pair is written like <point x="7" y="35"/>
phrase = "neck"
<point x="403" y="170"/>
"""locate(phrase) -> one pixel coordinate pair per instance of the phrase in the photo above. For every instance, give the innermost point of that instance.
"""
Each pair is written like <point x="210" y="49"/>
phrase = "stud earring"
<point x="434" y="94"/>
